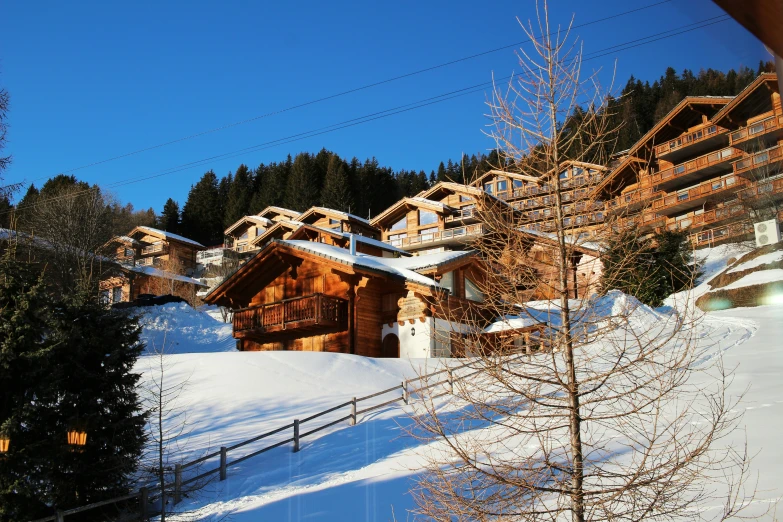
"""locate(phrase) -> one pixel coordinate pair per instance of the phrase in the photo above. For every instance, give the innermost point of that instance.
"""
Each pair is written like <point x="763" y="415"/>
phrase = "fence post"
<point x="404" y="391"/>
<point x="223" y="460"/>
<point x="177" y="483"/>
<point x="59" y="517"/>
<point x="143" y="501"/>
<point x="353" y="411"/>
<point x="296" y="435"/>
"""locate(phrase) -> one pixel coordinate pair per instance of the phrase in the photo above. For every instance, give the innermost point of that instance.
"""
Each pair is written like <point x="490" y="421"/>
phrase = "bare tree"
<point x="600" y="418"/>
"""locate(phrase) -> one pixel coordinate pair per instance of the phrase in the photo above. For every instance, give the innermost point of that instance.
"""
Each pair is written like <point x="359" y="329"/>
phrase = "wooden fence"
<point x="140" y="500"/>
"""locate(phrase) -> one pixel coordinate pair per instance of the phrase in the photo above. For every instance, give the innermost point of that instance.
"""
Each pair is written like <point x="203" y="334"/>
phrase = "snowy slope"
<point x="364" y="472"/>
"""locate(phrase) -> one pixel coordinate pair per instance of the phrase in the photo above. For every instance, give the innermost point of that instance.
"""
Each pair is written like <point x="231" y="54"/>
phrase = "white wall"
<point x="415" y="339"/>
<point x="421" y="343"/>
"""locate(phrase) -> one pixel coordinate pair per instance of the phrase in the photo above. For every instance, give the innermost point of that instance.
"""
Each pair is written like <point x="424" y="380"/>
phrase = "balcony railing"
<point x="465" y="213"/>
<point x="768" y="188"/>
<point x="151" y="249"/>
<point x="765" y="158"/>
<point x="630" y="199"/>
<point x="299" y="313"/>
<point x="717" y="235"/>
<point x="757" y="129"/>
<point x="708" y="188"/>
<point x="688" y="139"/>
<point x="730" y="211"/>
<point x="434" y="237"/>
<point x="685" y="170"/>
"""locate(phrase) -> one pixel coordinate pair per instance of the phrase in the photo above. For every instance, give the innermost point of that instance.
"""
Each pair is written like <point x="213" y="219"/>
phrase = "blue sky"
<point x="94" y="80"/>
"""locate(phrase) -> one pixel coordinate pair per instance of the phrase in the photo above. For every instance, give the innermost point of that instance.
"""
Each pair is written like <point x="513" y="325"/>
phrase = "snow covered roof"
<point x="324" y="210"/>
<point x="377" y="264"/>
<point x="278" y="210"/>
<point x="443" y="207"/>
<point x="509" y="323"/>
<point x="167" y="235"/>
<point x="360" y="239"/>
<point x="257" y="220"/>
<point x="127" y="239"/>
<point x="163" y="274"/>
<point x="429" y="261"/>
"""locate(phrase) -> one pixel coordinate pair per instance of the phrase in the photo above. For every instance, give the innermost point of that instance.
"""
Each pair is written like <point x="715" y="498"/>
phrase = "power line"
<point x="383" y="114"/>
<point x="346" y="92"/>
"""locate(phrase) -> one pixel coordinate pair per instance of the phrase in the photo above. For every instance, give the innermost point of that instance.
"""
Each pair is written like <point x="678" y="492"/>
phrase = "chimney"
<point x="353" y="244"/>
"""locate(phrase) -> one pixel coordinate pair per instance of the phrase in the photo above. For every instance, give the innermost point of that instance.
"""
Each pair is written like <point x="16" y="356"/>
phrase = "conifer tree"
<point x="202" y="219"/>
<point x="170" y="219"/>
<point x="79" y="374"/>
<point x="239" y="194"/>
<point x="302" y="190"/>
<point x="337" y="187"/>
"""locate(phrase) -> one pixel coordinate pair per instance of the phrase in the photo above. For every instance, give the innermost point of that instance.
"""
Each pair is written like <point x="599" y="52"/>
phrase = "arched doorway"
<point x="391" y="346"/>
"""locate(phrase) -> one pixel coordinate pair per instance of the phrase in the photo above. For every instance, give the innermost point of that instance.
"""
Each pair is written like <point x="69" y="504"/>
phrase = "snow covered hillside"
<point x="364" y="472"/>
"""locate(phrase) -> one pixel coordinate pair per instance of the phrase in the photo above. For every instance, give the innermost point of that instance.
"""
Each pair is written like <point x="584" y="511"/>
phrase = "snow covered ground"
<point x="364" y="472"/>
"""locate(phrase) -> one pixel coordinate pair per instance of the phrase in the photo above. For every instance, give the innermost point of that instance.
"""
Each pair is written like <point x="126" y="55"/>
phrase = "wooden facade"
<point x="151" y="261"/>
<point x="301" y="295"/>
<point x="690" y="170"/>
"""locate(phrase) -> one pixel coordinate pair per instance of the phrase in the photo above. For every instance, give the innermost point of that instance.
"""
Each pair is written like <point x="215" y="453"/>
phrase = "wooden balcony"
<point x="672" y="204"/>
<point x="761" y="134"/>
<point x="719" y="235"/>
<point x="630" y="201"/>
<point x="729" y="212"/>
<point x="156" y="248"/>
<point x="442" y="236"/>
<point x="772" y="189"/>
<point x="691" y="144"/>
<point x="698" y="168"/>
<point x="761" y="163"/>
<point x="465" y="214"/>
<point x="291" y="318"/>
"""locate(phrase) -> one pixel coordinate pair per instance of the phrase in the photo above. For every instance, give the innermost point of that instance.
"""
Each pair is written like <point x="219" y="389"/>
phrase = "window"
<point x="502" y="185"/>
<point x="472" y="292"/>
<point x="564" y="174"/>
<point x="104" y="297"/>
<point x="401" y="224"/>
<point x="447" y="281"/>
<point x="488" y="188"/>
<point x="442" y="346"/>
<point x="517" y="183"/>
<point x="679" y="169"/>
<point x="116" y="295"/>
<point x="128" y="252"/>
<point x="462" y="199"/>
<point x="427" y="217"/>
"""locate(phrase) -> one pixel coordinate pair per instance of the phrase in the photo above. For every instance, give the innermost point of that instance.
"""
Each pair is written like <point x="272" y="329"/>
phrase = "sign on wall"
<point x="411" y="307"/>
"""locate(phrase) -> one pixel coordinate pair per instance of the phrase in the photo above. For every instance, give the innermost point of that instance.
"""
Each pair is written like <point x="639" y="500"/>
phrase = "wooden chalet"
<point x="443" y="217"/>
<point x="305" y="295"/>
<point x="336" y="220"/>
<point x="151" y="261"/>
<point x="240" y="235"/>
<point x="700" y="167"/>
<point x="533" y="198"/>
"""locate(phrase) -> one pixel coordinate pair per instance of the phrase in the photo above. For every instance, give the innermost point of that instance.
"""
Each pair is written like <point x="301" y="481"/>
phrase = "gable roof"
<point x="164" y="235"/>
<point x="750" y="97"/>
<point x="419" y="202"/>
<point x="250" y="220"/>
<point x="276" y="229"/>
<point x="330" y="212"/>
<point x="279" y="211"/>
<point x="274" y="252"/>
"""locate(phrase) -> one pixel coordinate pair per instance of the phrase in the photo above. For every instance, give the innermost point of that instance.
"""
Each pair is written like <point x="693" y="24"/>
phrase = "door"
<point x="391" y="346"/>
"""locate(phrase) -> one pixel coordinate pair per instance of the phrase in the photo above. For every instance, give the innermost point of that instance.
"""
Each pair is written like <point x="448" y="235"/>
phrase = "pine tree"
<point x="202" y="219"/>
<point x="170" y="218"/>
<point x="80" y="373"/>
<point x="239" y="194"/>
<point x="302" y="190"/>
<point x="337" y="187"/>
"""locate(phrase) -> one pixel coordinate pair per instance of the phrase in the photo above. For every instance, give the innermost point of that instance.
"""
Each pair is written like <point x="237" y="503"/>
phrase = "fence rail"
<point x="174" y="489"/>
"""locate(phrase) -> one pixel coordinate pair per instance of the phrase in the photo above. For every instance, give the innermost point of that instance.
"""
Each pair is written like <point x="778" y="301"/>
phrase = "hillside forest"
<point x="366" y="188"/>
